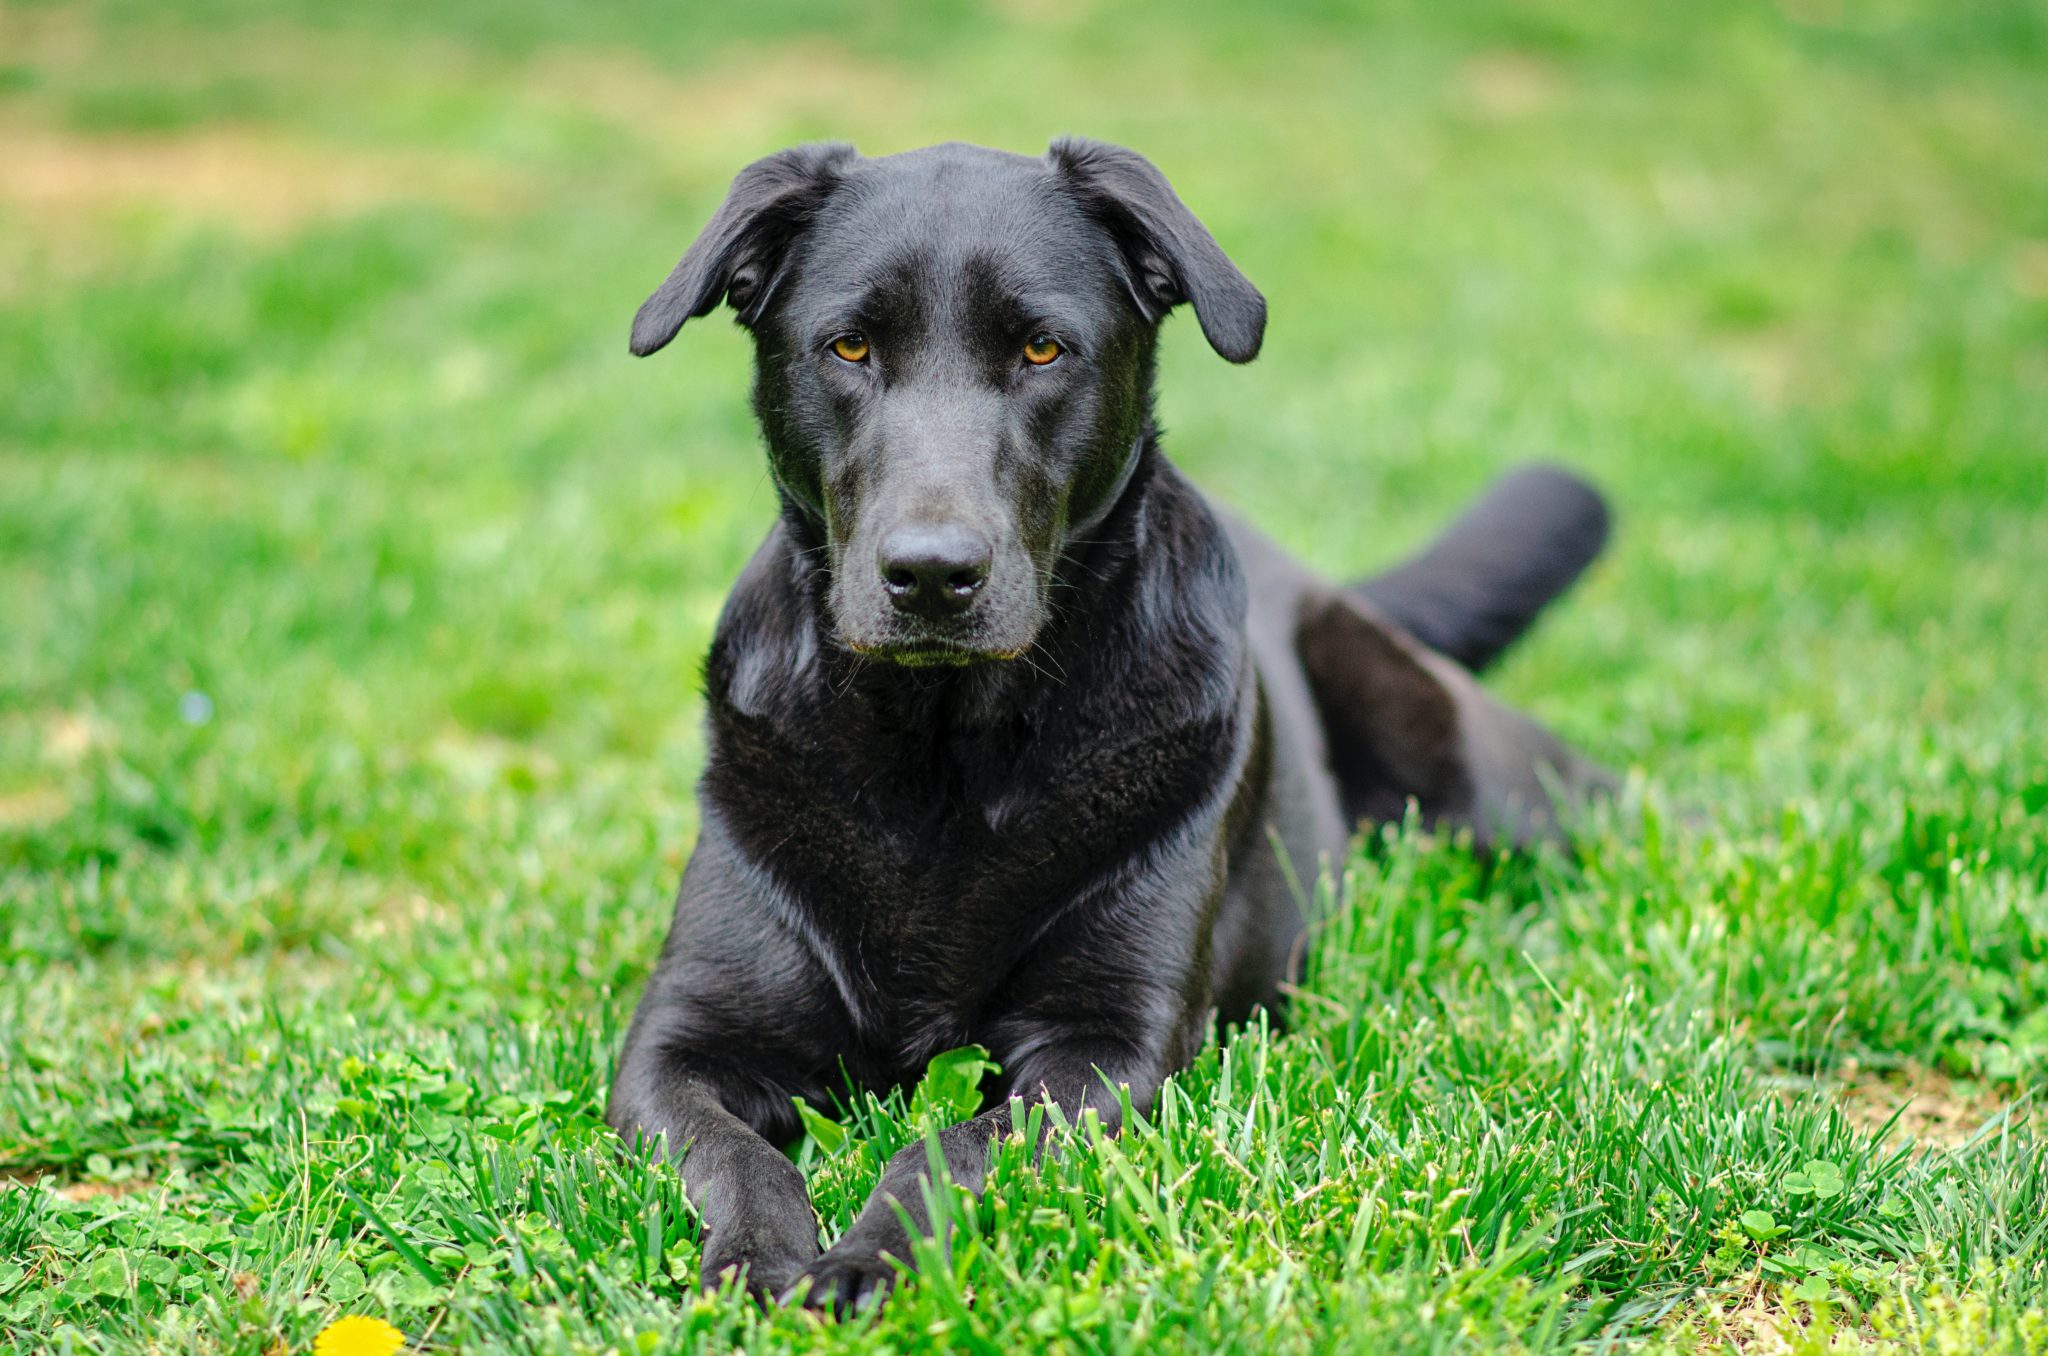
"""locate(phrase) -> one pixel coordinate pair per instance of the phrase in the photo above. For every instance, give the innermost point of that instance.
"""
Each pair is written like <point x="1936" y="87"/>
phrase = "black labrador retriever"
<point x="1014" y="739"/>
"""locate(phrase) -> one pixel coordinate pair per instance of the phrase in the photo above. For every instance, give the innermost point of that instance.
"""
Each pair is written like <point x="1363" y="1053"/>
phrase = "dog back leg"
<point x="1403" y="724"/>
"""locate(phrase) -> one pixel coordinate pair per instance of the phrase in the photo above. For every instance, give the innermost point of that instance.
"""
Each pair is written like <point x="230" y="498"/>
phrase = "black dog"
<point x="1009" y="728"/>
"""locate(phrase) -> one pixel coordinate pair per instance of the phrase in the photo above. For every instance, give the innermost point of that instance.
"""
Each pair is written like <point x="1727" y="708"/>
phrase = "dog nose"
<point x="934" y="569"/>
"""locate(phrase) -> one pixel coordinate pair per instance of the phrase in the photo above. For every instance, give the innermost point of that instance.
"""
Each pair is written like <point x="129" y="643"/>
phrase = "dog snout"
<point x="934" y="570"/>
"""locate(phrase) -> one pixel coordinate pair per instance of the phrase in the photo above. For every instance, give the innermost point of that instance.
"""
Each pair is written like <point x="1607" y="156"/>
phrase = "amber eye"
<point x="1041" y="349"/>
<point x="851" y="347"/>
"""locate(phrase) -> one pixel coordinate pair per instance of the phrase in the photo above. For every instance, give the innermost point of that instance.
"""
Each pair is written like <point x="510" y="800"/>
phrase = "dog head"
<point x="954" y="353"/>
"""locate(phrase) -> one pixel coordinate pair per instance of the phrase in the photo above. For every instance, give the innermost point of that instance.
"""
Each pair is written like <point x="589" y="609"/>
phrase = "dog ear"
<point x="736" y="254"/>
<point x="1171" y="255"/>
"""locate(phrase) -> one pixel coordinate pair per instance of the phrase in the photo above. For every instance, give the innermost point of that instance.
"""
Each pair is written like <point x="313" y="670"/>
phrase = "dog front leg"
<point x="1073" y="1079"/>
<point x="757" y="1215"/>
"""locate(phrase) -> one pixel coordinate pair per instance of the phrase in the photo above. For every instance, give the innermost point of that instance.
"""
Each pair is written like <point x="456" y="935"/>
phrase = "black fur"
<point x="1482" y="581"/>
<point x="1051" y="816"/>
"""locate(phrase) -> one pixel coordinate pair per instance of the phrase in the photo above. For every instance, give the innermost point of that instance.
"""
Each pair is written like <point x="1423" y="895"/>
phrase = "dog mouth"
<point x="930" y="653"/>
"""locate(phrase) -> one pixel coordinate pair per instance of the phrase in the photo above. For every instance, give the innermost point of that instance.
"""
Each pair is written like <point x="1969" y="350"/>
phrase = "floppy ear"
<point x="736" y="255"/>
<point x="1171" y="255"/>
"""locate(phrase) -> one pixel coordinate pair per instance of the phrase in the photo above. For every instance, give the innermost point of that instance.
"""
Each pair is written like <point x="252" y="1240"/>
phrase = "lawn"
<point x="354" y="584"/>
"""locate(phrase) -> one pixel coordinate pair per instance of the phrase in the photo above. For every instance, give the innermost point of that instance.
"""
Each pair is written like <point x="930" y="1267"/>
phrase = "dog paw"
<point x="765" y="1271"/>
<point x="843" y="1282"/>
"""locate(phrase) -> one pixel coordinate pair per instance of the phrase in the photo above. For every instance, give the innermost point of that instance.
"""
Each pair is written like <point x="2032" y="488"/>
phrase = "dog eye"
<point x="1041" y="349"/>
<point x="851" y="348"/>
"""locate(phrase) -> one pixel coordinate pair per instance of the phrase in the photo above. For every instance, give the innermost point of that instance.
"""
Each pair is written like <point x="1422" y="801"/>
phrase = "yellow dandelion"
<point x="358" y="1335"/>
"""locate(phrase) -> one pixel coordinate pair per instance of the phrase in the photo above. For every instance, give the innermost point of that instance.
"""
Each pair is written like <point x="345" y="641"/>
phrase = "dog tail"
<point x="1480" y="584"/>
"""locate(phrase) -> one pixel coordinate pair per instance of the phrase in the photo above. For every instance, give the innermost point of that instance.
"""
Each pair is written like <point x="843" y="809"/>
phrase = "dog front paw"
<point x="767" y="1267"/>
<point x="842" y="1282"/>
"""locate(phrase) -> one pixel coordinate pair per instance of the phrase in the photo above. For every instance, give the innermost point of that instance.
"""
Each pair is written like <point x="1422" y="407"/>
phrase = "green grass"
<point x="353" y="584"/>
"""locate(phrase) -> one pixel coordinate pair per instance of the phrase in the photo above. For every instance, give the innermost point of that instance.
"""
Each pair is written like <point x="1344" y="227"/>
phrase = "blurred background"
<point x="354" y="584"/>
<point x="354" y="581"/>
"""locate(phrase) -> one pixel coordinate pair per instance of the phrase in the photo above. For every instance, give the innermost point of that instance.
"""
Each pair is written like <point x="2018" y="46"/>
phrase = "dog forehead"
<point x="953" y="184"/>
<point x="945" y="212"/>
